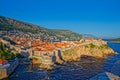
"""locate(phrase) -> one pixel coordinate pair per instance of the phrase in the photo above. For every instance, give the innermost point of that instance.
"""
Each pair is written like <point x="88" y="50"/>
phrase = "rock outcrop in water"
<point x="75" y="50"/>
<point x="98" y="49"/>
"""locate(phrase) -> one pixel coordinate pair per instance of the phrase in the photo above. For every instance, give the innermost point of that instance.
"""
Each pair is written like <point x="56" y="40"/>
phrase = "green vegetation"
<point x="33" y="58"/>
<point x="4" y="53"/>
<point x="105" y="46"/>
<point x="92" y="45"/>
<point x="115" y="40"/>
<point x="8" y="24"/>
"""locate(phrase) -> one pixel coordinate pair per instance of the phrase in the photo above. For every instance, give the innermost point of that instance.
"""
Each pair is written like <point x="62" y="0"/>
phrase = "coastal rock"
<point x="105" y="76"/>
<point x="46" y="67"/>
<point x="75" y="53"/>
<point x="116" y="68"/>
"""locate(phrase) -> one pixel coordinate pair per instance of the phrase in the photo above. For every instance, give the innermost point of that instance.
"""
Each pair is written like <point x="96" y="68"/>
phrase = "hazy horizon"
<point x="99" y="18"/>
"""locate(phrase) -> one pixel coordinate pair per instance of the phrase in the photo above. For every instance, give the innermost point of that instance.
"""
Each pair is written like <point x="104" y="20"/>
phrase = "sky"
<point x="97" y="17"/>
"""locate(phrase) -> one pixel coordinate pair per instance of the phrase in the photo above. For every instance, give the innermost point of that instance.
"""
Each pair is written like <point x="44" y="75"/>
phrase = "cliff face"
<point x="88" y="50"/>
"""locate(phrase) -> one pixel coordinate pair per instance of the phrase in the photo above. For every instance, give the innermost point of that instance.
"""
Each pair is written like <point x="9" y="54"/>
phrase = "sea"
<point x="84" y="69"/>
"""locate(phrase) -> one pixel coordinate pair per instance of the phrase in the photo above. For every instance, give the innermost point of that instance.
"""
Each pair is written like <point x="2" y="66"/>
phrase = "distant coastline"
<point x="117" y="40"/>
<point x="114" y="41"/>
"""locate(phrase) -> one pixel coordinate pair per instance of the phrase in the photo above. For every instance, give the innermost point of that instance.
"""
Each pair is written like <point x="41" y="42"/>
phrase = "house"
<point x="2" y="61"/>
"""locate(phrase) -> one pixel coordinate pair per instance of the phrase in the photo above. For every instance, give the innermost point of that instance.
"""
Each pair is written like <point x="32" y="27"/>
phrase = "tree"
<point x="4" y="53"/>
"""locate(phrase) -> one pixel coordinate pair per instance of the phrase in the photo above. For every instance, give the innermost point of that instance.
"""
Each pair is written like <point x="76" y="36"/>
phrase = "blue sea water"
<point x="114" y="46"/>
<point x="110" y="61"/>
<point x="72" y="71"/>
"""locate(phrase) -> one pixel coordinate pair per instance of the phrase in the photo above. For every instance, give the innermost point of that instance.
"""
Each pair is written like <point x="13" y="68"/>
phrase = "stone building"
<point x="7" y="68"/>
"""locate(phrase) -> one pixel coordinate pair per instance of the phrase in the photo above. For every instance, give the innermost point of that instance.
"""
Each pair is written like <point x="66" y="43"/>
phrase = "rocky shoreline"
<point x="77" y="52"/>
<point x="84" y="69"/>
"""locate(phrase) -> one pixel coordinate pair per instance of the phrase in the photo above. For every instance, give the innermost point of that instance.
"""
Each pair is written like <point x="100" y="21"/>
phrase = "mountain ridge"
<point x="8" y="24"/>
<point x="89" y="35"/>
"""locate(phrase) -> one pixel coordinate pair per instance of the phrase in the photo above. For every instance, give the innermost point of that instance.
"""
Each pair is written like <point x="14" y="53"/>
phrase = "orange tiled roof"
<point x="2" y="61"/>
<point x="59" y="45"/>
<point x="90" y="39"/>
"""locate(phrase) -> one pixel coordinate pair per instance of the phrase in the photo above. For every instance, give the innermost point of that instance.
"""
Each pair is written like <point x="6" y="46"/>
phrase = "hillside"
<point x="8" y="24"/>
<point x="5" y="53"/>
<point x="115" y="40"/>
<point x="89" y="35"/>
